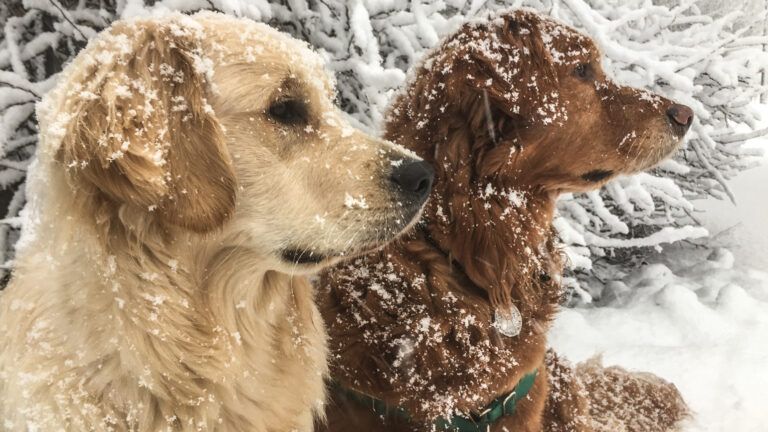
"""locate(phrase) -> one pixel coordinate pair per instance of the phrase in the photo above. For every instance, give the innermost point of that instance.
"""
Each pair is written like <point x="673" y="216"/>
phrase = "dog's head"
<point x="513" y="111"/>
<point x="217" y="125"/>
<point x="544" y="113"/>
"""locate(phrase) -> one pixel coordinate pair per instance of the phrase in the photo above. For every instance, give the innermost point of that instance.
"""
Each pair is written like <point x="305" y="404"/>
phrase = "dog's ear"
<point x="508" y="61"/>
<point x="142" y="132"/>
<point x="510" y="78"/>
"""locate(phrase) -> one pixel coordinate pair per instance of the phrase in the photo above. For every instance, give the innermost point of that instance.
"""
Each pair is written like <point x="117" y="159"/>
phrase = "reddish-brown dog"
<point x="512" y="112"/>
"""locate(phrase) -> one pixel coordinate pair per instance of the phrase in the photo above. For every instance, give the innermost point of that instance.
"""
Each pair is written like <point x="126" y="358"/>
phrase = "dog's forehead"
<point x="238" y="41"/>
<point x="566" y="44"/>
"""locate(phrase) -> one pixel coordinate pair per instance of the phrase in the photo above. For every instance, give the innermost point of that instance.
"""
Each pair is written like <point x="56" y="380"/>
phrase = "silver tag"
<point x="508" y="322"/>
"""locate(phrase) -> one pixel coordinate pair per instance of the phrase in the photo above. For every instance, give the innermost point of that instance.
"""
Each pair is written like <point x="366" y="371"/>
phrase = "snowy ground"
<point x="702" y="324"/>
<point x="699" y="321"/>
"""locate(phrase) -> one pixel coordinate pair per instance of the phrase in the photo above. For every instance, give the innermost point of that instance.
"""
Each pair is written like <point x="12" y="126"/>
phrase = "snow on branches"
<point x="710" y="62"/>
<point x="38" y="38"/>
<point x="713" y="62"/>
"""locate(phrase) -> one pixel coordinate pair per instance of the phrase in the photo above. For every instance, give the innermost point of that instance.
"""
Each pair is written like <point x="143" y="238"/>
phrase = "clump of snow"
<point x="352" y="202"/>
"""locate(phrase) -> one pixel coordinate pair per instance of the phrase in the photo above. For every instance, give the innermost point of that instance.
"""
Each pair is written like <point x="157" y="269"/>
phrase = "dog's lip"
<point x="307" y="256"/>
<point x="597" y="175"/>
<point x="302" y="256"/>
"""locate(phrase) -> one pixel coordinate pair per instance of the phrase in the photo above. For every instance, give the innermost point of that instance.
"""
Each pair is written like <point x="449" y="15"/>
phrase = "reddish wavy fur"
<point x="512" y="112"/>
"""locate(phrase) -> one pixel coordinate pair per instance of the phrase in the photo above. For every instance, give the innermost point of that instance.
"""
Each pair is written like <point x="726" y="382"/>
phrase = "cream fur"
<point x="123" y="315"/>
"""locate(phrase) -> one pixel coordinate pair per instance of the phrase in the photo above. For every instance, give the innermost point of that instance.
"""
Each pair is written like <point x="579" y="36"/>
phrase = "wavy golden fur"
<point x="512" y="112"/>
<point x="186" y="181"/>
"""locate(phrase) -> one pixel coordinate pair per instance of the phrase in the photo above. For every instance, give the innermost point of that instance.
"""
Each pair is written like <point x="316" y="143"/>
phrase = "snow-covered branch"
<point x="713" y="61"/>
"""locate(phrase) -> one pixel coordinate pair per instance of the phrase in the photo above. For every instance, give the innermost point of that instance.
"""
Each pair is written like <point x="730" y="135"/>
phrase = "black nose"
<point x="414" y="179"/>
<point x="681" y="116"/>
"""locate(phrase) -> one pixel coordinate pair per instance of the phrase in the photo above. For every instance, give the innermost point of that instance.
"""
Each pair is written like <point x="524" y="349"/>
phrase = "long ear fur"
<point x="142" y="133"/>
<point x="478" y="82"/>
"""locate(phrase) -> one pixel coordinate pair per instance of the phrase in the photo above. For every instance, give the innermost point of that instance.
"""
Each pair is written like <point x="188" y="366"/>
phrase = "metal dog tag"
<point x="508" y="322"/>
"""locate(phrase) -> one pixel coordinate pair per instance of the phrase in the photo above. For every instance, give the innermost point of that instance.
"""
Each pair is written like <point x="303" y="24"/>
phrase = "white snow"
<point x="701" y="323"/>
<point x="351" y="202"/>
<point x="743" y="227"/>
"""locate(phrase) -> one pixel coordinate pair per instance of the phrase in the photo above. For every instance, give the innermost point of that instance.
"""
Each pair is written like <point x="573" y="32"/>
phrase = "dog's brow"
<point x="291" y="85"/>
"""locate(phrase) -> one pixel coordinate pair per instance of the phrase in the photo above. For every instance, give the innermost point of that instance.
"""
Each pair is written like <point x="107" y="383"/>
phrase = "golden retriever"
<point x="441" y="329"/>
<point x="191" y="171"/>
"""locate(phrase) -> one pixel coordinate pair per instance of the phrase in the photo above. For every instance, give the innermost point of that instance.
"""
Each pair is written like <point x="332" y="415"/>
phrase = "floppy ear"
<point x="511" y="82"/>
<point x="142" y="133"/>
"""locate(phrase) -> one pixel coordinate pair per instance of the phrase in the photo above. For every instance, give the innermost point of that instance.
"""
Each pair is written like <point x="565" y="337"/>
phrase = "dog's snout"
<point x="414" y="178"/>
<point x="680" y="116"/>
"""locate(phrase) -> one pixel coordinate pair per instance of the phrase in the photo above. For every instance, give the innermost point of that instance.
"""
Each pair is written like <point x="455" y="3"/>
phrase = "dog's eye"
<point x="584" y="71"/>
<point x="288" y="111"/>
<point x="511" y="26"/>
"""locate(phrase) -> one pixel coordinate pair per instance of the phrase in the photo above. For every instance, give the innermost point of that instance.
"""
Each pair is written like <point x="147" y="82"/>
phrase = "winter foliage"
<point x="712" y="61"/>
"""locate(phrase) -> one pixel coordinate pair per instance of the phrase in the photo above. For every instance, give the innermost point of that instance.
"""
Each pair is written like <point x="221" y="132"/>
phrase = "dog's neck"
<point x="185" y="320"/>
<point x="159" y="284"/>
<point x="413" y="327"/>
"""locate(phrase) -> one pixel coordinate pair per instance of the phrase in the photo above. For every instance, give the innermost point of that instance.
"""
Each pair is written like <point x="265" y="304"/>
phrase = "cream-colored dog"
<point x="190" y="170"/>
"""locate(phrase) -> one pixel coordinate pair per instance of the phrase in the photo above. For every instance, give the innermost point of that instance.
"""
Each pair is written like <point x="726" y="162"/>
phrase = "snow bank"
<point x="701" y="323"/>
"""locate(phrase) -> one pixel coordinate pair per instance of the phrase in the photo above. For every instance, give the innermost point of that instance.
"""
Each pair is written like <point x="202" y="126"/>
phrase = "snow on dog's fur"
<point x="191" y="170"/>
<point x="512" y="111"/>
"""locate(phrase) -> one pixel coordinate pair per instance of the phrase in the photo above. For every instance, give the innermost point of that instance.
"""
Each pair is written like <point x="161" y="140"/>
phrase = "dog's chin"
<point x="658" y="155"/>
<point x="597" y="178"/>
<point x="304" y="261"/>
<point x="297" y="259"/>
<point x="298" y="256"/>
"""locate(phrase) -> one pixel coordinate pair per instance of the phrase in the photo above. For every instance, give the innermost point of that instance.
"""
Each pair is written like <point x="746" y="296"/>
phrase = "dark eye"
<point x="288" y="111"/>
<point x="584" y="71"/>
<point x="511" y="26"/>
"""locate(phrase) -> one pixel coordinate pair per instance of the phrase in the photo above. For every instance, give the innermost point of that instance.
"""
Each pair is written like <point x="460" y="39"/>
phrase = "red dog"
<point x="512" y="113"/>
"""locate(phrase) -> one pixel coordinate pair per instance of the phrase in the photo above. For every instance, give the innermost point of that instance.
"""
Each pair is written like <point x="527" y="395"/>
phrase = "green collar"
<point x="501" y="406"/>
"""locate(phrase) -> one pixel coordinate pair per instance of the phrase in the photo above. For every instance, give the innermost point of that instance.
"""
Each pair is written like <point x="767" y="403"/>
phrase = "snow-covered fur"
<point x="187" y="178"/>
<point x="512" y="112"/>
<point x="624" y="401"/>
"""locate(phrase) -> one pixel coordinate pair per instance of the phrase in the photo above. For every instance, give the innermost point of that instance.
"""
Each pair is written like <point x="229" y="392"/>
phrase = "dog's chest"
<point x="288" y="360"/>
<point x="436" y="349"/>
<point x="261" y="371"/>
